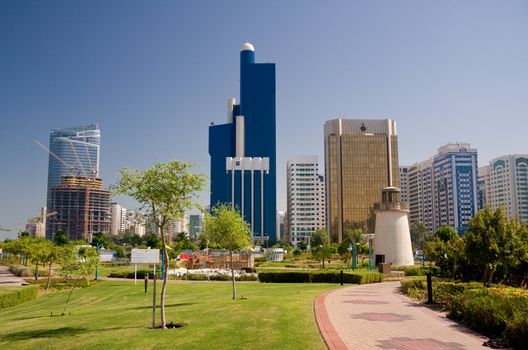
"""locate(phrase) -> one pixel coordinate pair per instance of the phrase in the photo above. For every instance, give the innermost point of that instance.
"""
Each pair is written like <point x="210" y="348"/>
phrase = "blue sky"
<point x="154" y="74"/>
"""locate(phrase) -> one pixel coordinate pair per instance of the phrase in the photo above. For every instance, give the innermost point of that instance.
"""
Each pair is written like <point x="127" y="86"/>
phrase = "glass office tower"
<point x="361" y="159"/>
<point x="78" y="150"/>
<point x="243" y="150"/>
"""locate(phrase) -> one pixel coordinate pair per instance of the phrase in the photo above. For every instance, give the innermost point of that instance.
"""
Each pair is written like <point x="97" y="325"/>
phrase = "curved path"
<point x="377" y="316"/>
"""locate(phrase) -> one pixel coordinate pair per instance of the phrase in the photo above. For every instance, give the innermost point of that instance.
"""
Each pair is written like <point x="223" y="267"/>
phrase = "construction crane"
<point x="74" y="169"/>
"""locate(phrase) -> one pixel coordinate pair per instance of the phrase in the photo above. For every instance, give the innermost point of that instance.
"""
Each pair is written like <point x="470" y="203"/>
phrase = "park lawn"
<point x="116" y="315"/>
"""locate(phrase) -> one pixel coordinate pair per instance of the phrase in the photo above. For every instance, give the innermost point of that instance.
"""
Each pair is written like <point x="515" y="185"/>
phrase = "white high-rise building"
<point x="305" y="198"/>
<point x="443" y="190"/>
<point x="119" y="218"/>
<point x="420" y="193"/>
<point x="135" y="222"/>
<point x="483" y="184"/>
<point x="404" y="184"/>
<point x="508" y="185"/>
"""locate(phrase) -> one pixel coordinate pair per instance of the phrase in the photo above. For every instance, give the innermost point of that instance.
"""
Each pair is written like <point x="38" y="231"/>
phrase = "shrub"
<point x="200" y="277"/>
<point x="130" y="274"/>
<point x="20" y="271"/>
<point x="414" y="271"/>
<point x="319" y="277"/>
<point x="17" y="296"/>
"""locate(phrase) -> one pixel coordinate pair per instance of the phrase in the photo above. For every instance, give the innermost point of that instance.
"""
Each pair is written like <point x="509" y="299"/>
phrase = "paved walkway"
<point x="377" y="316"/>
<point x="8" y="279"/>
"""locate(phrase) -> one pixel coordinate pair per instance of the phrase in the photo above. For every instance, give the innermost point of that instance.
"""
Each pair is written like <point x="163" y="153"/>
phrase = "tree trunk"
<point x="233" y="275"/>
<point x="165" y="278"/>
<point x="49" y="277"/>
<point x="69" y="296"/>
<point x="36" y="271"/>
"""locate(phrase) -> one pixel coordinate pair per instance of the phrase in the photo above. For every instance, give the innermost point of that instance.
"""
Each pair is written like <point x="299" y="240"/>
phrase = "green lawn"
<point x="116" y="315"/>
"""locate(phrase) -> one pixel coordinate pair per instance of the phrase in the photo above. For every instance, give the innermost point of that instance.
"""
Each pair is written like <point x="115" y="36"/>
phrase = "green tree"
<point x="24" y="234"/>
<point x="100" y="238"/>
<point x="419" y="235"/>
<point x="492" y="240"/>
<point x="51" y="254"/>
<point x="167" y="190"/>
<point x="227" y="229"/>
<point x="152" y="240"/>
<point x="302" y="246"/>
<point x="446" y="233"/>
<point x="120" y="251"/>
<point x="320" y="243"/>
<point x="61" y="237"/>
<point x="77" y="266"/>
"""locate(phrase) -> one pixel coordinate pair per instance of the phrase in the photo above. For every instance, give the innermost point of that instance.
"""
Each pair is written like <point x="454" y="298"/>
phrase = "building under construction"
<point x="82" y="208"/>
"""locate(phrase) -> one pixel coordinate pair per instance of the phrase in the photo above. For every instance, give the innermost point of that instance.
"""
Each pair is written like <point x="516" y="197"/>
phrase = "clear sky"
<point x="154" y="74"/>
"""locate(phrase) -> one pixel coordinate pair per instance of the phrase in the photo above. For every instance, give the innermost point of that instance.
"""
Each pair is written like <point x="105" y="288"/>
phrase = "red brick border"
<point x="326" y="329"/>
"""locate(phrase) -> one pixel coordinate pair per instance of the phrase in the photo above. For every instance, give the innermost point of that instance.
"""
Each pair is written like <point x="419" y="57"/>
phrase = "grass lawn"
<point x="116" y="315"/>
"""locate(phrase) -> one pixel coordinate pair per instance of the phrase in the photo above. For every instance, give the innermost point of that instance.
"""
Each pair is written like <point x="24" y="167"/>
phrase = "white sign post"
<point x="144" y="256"/>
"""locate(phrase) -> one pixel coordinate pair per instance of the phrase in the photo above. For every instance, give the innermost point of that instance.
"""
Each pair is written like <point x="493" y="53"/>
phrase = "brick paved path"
<point x="377" y="316"/>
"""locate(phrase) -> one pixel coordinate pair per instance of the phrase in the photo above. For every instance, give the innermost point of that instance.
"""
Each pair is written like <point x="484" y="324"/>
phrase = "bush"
<point x="496" y="312"/>
<point x="20" y="271"/>
<point x="414" y="271"/>
<point x="17" y="296"/>
<point x="200" y="277"/>
<point x="130" y="274"/>
<point x="319" y="277"/>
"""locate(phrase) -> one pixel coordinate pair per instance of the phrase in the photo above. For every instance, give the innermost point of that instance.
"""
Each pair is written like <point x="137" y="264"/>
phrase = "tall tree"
<point x="227" y="229"/>
<point x="77" y="265"/>
<point x="167" y="191"/>
<point x="491" y="240"/>
<point x="320" y="243"/>
<point x="446" y="233"/>
<point x="100" y="238"/>
<point x="61" y="237"/>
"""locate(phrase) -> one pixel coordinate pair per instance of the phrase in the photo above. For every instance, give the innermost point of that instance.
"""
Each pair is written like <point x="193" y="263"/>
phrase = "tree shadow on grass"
<point x="61" y="332"/>
<point x="158" y="306"/>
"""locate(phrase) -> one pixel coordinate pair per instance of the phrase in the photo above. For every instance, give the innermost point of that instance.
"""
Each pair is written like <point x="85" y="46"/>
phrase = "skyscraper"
<point x="507" y="185"/>
<point x="443" y="190"/>
<point x="119" y="218"/>
<point x="243" y="150"/>
<point x="305" y="198"/>
<point x="78" y="150"/>
<point x="420" y="193"/>
<point x="361" y="159"/>
<point x="455" y="171"/>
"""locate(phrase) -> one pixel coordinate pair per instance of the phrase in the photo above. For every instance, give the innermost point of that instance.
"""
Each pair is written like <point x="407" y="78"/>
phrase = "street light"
<point x="352" y="249"/>
<point x="97" y="247"/>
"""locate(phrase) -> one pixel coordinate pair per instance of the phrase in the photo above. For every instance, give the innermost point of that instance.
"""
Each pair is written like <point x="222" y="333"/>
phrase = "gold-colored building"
<point x="361" y="159"/>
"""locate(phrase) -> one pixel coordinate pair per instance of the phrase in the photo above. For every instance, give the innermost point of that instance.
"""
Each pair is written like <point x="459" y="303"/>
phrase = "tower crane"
<point x="73" y="168"/>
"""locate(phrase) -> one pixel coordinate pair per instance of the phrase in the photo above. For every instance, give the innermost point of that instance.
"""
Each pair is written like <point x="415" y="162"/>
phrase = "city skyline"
<point x="444" y="72"/>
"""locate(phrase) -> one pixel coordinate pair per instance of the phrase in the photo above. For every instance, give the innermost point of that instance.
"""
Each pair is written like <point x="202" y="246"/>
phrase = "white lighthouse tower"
<point x="392" y="242"/>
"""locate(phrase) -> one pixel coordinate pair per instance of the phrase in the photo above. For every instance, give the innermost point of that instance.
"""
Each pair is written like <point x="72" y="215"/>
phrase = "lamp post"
<point x="97" y="247"/>
<point x="352" y="249"/>
<point x="370" y="252"/>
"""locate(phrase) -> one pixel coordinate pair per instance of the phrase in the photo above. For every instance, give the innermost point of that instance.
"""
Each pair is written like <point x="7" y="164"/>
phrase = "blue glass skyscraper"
<point x="243" y="151"/>
<point x="78" y="150"/>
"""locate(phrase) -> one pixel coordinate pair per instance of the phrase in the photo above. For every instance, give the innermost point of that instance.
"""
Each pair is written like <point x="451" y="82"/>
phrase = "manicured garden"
<point x="497" y="311"/>
<point x="112" y="314"/>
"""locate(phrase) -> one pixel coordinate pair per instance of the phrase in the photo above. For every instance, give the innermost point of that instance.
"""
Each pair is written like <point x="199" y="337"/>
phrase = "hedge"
<point x="319" y="277"/>
<point x="17" y="296"/>
<point x="200" y="277"/>
<point x="130" y="274"/>
<point x="497" y="312"/>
